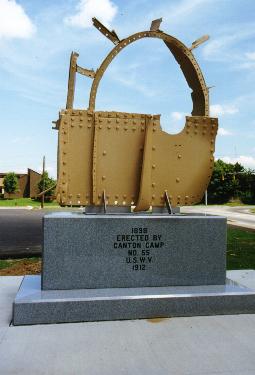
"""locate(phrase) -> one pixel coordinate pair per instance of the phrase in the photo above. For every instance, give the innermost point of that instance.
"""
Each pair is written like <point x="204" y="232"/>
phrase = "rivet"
<point x="104" y="152"/>
<point x="154" y="129"/>
<point x="117" y="121"/>
<point x="142" y="129"/>
<point x="134" y="128"/>
<point x="78" y="195"/>
<point x="65" y="122"/>
<point x="124" y="196"/>
<point x="80" y="125"/>
<point x="65" y="132"/>
<point x="141" y="148"/>
<point x="179" y="156"/>
<point x="108" y="127"/>
<point x="89" y="119"/>
<point x="211" y="159"/>
<point x="109" y="121"/>
<point x="103" y="177"/>
<point x="153" y="148"/>
<point x="195" y="131"/>
<point x="100" y="120"/>
<point x="126" y="121"/>
<point x="80" y="112"/>
<point x="212" y="133"/>
<point x="142" y="122"/>
<point x="204" y="132"/>
<point x="87" y="195"/>
<point x="196" y="125"/>
<point x="153" y="166"/>
<point x="63" y="191"/>
<point x="89" y="126"/>
<point x="186" y="197"/>
<point x="154" y="123"/>
<point x="177" y="179"/>
<point x="153" y="196"/>
<point x="64" y="163"/>
<point x="72" y="118"/>
<point x="187" y="131"/>
<point x="72" y="125"/>
<point x="126" y="128"/>
<point x="188" y="125"/>
<point x="116" y="196"/>
<point x="179" y="197"/>
<point x="100" y="126"/>
<point x="212" y="141"/>
<point x="81" y="119"/>
<point x="133" y="115"/>
<point x="153" y="184"/>
<point x="70" y="195"/>
<point x="117" y="127"/>
<point x="134" y="122"/>
<point x="211" y="149"/>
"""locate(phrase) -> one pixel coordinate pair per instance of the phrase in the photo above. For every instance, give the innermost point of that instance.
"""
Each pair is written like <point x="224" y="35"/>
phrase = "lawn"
<point x="240" y="249"/>
<point x="23" y="202"/>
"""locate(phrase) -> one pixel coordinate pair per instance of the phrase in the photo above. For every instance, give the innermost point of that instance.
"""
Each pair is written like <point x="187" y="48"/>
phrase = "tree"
<point x="231" y="181"/>
<point x="46" y="183"/>
<point x="11" y="183"/>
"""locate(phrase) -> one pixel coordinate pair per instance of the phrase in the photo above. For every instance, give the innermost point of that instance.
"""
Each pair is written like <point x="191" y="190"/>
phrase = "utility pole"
<point x="206" y="197"/>
<point x="43" y="187"/>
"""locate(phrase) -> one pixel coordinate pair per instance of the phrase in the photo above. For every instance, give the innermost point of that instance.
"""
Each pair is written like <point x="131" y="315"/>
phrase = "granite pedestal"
<point x="107" y="267"/>
<point x="128" y="251"/>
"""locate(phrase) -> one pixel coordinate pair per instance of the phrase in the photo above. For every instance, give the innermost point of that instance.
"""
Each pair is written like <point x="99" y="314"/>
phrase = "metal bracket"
<point x="155" y="24"/>
<point x="85" y="72"/>
<point x="168" y="204"/>
<point x="199" y="41"/>
<point x="104" y="201"/>
<point x="106" y="32"/>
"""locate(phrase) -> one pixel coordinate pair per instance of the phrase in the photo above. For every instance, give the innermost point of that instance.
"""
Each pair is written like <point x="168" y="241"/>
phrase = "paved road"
<point x="239" y="216"/>
<point x="20" y="232"/>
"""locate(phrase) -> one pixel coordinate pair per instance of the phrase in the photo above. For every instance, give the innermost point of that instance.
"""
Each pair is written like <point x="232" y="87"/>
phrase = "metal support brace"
<point x="104" y="201"/>
<point x="168" y="204"/>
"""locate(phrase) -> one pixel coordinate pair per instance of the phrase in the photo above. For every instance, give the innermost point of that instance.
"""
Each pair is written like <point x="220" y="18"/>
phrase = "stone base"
<point x="129" y="251"/>
<point x="33" y="306"/>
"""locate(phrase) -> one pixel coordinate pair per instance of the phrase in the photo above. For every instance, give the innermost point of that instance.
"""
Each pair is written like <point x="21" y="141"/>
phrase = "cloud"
<point x="246" y="161"/>
<point x="177" y="116"/>
<point x="250" y="55"/>
<point x="220" y="110"/>
<point x="14" y="22"/>
<point x="104" y="10"/>
<point x="222" y="131"/>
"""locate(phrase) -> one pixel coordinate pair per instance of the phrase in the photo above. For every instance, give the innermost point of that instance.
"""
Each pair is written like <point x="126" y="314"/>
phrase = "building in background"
<point x="28" y="184"/>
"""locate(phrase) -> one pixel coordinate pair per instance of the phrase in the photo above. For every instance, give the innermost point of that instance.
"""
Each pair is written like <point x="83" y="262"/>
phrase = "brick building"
<point x="28" y="184"/>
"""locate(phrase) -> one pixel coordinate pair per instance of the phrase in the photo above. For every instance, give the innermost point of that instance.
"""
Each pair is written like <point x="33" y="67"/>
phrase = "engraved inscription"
<point x="141" y="246"/>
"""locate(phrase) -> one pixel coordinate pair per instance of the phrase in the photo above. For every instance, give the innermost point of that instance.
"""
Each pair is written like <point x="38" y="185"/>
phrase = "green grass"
<point x="240" y="249"/>
<point x="7" y="263"/>
<point x="23" y="202"/>
<point x="253" y="210"/>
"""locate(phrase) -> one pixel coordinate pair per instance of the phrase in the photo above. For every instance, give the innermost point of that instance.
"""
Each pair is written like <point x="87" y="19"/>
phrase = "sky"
<point x="37" y="38"/>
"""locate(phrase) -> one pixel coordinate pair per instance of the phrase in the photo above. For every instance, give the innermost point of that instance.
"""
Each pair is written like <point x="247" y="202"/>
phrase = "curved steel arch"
<point x="182" y="55"/>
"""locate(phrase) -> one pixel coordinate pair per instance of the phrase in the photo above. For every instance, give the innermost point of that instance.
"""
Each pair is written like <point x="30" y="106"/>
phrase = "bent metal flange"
<point x="124" y="159"/>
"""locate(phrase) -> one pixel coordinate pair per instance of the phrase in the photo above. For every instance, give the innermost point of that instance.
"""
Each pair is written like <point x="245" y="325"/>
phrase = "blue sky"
<point x="37" y="37"/>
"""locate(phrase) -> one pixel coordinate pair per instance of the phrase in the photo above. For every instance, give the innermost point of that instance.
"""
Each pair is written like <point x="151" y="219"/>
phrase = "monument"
<point x="130" y="254"/>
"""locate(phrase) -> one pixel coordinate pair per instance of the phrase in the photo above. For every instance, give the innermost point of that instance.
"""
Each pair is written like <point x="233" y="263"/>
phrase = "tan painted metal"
<point x="125" y="159"/>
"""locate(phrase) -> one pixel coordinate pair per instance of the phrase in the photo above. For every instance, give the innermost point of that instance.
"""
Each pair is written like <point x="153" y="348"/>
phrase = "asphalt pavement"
<point x="20" y="232"/>
<point x="239" y="216"/>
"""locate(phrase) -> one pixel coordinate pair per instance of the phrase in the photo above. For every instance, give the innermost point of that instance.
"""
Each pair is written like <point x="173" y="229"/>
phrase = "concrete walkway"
<point x="239" y="216"/>
<point x="183" y="346"/>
